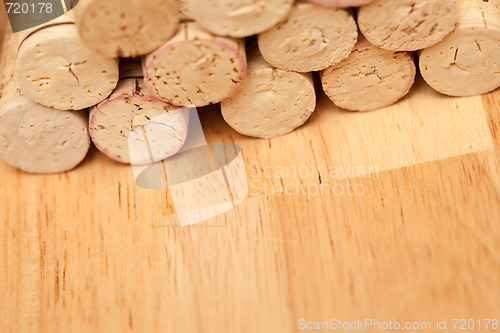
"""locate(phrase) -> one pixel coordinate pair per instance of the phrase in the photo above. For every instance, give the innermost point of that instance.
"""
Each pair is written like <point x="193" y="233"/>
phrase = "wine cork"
<point x="238" y="18"/>
<point x="407" y="25"/>
<point x="271" y="102"/>
<point x="126" y="28"/>
<point x="195" y="68"/>
<point x="56" y="69"/>
<point x="370" y="78"/>
<point x="133" y="127"/>
<point x="311" y="39"/>
<point x="467" y="62"/>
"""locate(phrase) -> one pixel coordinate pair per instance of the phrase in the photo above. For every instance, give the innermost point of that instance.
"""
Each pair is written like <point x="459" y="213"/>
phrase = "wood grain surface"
<point x="419" y="239"/>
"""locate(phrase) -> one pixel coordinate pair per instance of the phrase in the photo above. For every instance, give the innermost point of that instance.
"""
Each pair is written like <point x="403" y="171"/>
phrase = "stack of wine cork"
<point x="119" y="71"/>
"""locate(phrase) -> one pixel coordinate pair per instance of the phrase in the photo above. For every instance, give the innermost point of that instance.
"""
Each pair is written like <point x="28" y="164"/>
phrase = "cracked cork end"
<point x="407" y="25"/>
<point x="369" y="79"/>
<point x="312" y="38"/>
<point x="137" y="128"/>
<point x="467" y="62"/>
<point x="195" y="68"/>
<point x="54" y="68"/>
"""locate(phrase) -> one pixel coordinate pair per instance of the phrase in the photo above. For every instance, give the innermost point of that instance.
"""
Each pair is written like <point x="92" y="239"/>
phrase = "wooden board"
<point x="89" y="251"/>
